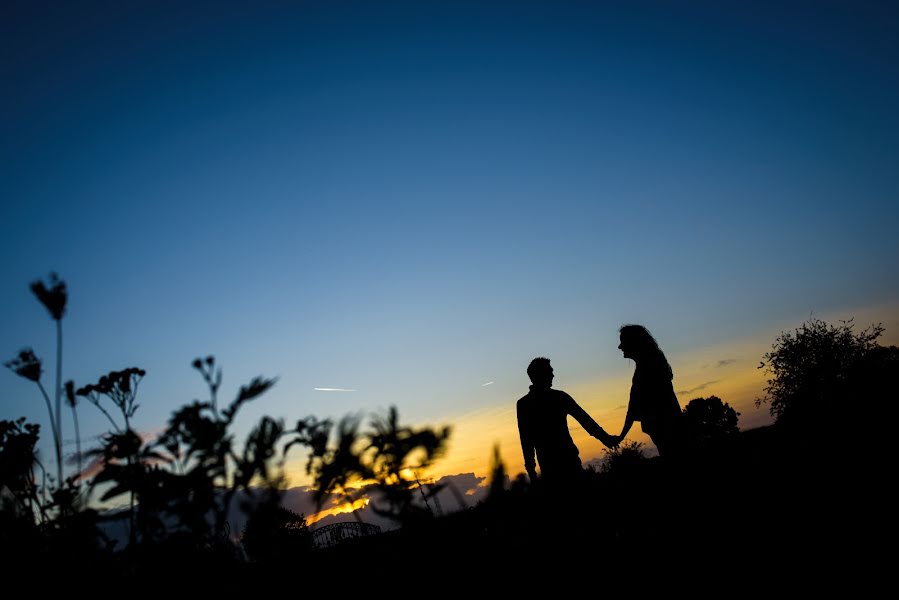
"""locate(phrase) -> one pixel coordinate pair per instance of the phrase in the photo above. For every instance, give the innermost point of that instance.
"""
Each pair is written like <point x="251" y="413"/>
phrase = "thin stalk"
<point x="59" y="388"/>
<point x="108" y="416"/>
<point x="213" y="396"/>
<point x="132" y="532"/>
<point x="77" y="439"/>
<point x="422" y="492"/>
<point x="56" y="442"/>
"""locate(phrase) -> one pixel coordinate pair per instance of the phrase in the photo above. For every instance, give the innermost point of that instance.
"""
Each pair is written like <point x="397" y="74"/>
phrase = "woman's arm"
<point x="632" y="412"/>
<point x="628" y="422"/>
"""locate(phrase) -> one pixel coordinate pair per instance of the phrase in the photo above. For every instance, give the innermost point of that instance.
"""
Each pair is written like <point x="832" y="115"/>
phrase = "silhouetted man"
<point x="543" y="427"/>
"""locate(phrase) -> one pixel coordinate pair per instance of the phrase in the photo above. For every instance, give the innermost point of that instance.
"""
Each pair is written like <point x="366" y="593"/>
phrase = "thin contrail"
<point x="486" y="384"/>
<point x="334" y="390"/>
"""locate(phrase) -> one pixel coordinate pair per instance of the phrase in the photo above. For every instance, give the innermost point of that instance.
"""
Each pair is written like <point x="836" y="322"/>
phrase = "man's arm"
<point x="527" y="444"/>
<point x="587" y="422"/>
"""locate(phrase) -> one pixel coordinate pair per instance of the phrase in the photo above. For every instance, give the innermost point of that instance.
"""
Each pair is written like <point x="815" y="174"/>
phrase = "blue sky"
<point x="414" y="199"/>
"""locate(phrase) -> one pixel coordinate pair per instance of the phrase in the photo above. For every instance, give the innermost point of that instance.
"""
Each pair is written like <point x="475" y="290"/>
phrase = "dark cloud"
<point x="300" y="500"/>
<point x="699" y="387"/>
<point x="719" y="364"/>
<point x="460" y="491"/>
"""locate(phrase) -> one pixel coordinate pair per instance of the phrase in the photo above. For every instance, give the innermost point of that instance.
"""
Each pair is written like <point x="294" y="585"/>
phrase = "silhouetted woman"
<point x="652" y="401"/>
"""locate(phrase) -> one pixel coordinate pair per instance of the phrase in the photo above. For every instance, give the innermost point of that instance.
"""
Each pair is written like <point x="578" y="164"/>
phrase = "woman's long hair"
<point x="646" y="346"/>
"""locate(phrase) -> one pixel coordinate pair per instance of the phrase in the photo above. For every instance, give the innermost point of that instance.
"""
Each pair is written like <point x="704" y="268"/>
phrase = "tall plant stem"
<point x="59" y="392"/>
<point x="77" y="439"/>
<point x="56" y="441"/>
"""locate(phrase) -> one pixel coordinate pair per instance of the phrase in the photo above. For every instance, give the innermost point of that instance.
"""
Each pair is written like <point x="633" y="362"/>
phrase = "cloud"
<point x="334" y="390"/>
<point x="460" y="491"/>
<point x="721" y="363"/>
<point x="701" y="386"/>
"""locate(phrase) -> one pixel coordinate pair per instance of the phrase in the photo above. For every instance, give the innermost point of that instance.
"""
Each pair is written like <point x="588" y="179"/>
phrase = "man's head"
<point x="541" y="372"/>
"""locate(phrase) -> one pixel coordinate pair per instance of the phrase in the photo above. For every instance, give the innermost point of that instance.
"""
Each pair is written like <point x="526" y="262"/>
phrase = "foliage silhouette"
<point x="813" y="369"/>
<point x="17" y="462"/>
<point x="275" y="533"/>
<point x="28" y="366"/>
<point x="388" y="454"/>
<point x="710" y="421"/>
<point x="64" y="493"/>
<point x="624" y="457"/>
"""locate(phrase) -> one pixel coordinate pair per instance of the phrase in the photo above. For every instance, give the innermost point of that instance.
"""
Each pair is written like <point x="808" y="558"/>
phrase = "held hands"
<point x="610" y="441"/>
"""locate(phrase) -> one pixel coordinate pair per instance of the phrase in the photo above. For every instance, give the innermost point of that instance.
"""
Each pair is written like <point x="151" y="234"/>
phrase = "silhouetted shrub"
<point x="709" y="420"/>
<point x="622" y="458"/>
<point x="816" y="369"/>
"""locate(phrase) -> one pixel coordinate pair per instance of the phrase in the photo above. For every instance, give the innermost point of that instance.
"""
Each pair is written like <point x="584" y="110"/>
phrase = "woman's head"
<point x="637" y="343"/>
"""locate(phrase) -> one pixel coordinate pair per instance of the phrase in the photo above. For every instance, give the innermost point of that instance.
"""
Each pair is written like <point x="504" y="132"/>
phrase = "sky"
<point x="412" y="200"/>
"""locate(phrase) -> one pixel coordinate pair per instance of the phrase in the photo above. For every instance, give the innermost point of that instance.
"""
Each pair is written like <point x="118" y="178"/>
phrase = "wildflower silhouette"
<point x="121" y="389"/>
<point x="54" y="297"/>
<point x="27" y="365"/>
<point x="17" y="461"/>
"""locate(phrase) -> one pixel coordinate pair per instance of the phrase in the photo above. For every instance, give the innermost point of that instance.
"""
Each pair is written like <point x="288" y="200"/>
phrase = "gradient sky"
<point x="412" y="200"/>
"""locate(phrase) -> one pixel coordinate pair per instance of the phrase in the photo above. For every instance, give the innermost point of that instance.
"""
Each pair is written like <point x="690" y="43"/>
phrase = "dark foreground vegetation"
<point x="805" y="499"/>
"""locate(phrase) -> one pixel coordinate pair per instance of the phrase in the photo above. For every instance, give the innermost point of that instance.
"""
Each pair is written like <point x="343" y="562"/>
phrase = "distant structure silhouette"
<point x="335" y="533"/>
<point x="543" y="428"/>
<point x="652" y="399"/>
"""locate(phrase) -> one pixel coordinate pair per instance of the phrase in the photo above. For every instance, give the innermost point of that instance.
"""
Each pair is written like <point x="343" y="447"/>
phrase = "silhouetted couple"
<point x="543" y="412"/>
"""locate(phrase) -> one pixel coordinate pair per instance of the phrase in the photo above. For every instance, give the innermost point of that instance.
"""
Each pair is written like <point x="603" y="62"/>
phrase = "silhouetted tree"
<point x="709" y="420"/>
<point x="814" y="369"/>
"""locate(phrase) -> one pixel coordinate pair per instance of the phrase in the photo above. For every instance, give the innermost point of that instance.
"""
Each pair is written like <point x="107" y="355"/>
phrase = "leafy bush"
<point x="815" y="369"/>
<point x="709" y="420"/>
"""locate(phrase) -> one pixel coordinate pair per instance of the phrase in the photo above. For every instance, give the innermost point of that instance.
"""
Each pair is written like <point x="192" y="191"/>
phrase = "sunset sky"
<point x="412" y="200"/>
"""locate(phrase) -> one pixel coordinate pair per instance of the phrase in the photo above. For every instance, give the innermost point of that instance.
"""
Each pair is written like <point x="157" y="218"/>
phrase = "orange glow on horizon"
<point x="340" y="509"/>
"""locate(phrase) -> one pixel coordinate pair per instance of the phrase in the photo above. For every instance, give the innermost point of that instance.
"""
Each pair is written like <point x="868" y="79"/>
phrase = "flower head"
<point x="26" y="365"/>
<point x="70" y="393"/>
<point x="52" y="296"/>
